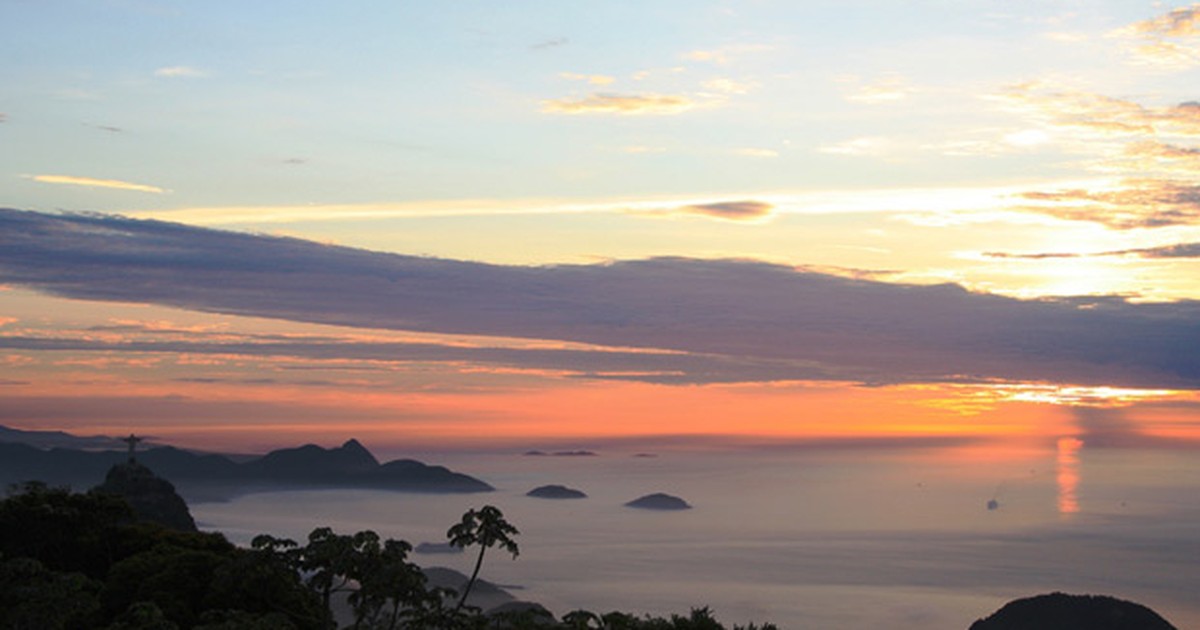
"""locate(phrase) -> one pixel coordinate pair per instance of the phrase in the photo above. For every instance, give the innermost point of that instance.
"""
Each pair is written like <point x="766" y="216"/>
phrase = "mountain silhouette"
<point x="152" y="498"/>
<point x="313" y="463"/>
<point x="1060" y="611"/>
<point x="349" y="466"/>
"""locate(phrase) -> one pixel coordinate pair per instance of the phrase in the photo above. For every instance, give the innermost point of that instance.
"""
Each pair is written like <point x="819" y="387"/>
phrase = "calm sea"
<point x="807" y="538"/>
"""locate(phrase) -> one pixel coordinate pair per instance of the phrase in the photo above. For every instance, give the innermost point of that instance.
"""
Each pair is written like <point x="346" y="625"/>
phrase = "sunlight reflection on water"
<point x="1068" y="475"/>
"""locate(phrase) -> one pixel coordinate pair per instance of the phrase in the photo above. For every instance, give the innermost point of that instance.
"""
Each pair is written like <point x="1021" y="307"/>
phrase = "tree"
<point x="485" y="527"/>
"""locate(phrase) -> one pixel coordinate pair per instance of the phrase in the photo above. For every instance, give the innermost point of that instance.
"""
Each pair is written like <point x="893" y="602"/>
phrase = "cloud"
<point x="3" y="117"/>
<point x="349" y="353"/>
<point x="95" y="183"/>
<point x="621" y="104"/>
<point x="1180" y="22"/>
<point x="1177" y="250"/>
<point x="592" y="79"/>
<point x="180" y="72"/>
<point x="760" y="320"/>
<point x="1101" y="115"/>
<point x="1169" y="39"/>
<point x="732" y="210"/>
<point x="1152" y="146"/>
<point x="550" y="43"/>
<point x="1160" y="158"/>
<point x="741" y="210"/>
<point x="866" y="146"/>
<point x="726" y="85"/>
<point x="887" y="90"/>
<point x="1167" y="55"/>
<point x="1147" y="203"/>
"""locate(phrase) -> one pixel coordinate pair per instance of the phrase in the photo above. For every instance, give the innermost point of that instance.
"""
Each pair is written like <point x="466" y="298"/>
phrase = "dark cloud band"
<point x="750" y="314"/>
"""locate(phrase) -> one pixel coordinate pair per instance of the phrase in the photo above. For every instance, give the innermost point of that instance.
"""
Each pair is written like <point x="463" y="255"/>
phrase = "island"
<point x="555" y="491"/>
<point x="1062" y="611"/>
<point x="659" y="501"/>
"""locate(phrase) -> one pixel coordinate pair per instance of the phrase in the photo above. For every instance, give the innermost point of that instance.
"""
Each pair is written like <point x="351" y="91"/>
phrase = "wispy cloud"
<point x="1176" y="23"/>
<point x="1132" y="204"/>
<point x="731" y="210"/>
<point x="1171" y="40"/>
<point x="95" y="183"/>
<point x="1151" y="146"/>
<point x="1096" y="113"/>
<point x="725" y="85"/>
<point x="866" y="146"/>
<point x="550" y="43"/>
<point x="779" y="321"/>
<point x="886" y="90"/>
<point x="592" y="79"/>
<point x="3" y="117"/>
<point x="1177" y="250"/>
<point x="180" y="72"/>
<point x="622" y="104"/>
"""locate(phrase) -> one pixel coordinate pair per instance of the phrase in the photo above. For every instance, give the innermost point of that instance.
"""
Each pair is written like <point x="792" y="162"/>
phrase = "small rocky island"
<point x="537" y="453"/>
<point x="659" y="501"/>
<point x="555" y="491"/>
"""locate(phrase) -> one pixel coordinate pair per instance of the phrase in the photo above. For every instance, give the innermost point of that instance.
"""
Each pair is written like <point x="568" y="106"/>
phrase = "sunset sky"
<point x="470" y="224"/>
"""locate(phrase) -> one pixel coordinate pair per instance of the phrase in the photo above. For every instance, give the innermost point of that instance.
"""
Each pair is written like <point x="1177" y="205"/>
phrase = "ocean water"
<point x="807" y="538"/>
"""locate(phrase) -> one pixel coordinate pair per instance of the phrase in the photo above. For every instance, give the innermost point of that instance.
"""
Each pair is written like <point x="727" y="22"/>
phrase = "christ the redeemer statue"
<point x="132" y="441"/>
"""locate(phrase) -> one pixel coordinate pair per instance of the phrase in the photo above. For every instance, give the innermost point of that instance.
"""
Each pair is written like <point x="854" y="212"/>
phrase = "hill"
<point x="214" y="476"/>
<point x="1060" y="611"/>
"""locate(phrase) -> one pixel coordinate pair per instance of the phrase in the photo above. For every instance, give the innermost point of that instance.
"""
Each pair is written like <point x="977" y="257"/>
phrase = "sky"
<point x="475" y="224"/>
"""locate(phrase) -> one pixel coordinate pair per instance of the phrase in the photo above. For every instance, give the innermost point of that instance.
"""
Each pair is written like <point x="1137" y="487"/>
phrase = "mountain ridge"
<point x="350" y="465"/>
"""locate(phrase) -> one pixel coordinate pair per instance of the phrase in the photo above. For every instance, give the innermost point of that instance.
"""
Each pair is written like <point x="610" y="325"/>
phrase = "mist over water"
<point x="814" y="538"/>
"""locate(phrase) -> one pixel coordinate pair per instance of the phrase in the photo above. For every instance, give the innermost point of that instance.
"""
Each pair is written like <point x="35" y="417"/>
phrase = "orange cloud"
<point x="621" y="104"/>
<point x="1169" y="39"/>
<point x="1177" y="23"/>
<point x="1135" y="204"/>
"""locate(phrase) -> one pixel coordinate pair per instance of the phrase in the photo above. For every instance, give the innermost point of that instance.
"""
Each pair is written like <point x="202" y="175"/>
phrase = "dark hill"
<point x="412" y="475"/>
<point x="313" y="463"/>
<point x="215" y="476"/>
<point x="1060" y="611"/>
<point x="152" y="498"/>
<point x="58" y="439"/>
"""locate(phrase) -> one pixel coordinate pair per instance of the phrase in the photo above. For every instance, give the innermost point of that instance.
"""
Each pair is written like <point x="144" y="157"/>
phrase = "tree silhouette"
<point x="485" y="527"/>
